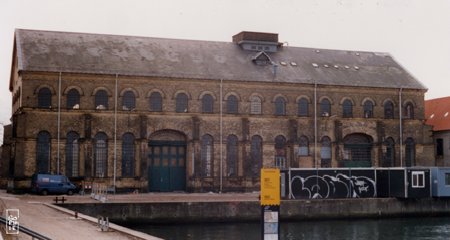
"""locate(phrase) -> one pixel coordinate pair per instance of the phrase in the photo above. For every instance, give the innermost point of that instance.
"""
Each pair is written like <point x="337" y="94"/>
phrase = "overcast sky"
<point x="415" y="32"/>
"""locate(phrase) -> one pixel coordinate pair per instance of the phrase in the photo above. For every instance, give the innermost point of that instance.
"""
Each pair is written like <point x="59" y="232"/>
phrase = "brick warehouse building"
<point x="166" y="115"/>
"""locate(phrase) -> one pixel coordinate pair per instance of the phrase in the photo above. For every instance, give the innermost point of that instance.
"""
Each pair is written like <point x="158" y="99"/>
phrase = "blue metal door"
<point x="167" y="170"/>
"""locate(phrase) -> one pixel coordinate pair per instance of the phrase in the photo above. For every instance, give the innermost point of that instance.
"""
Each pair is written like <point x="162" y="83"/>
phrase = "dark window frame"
<point x="232" y="105"/>
<point x="45" y="98"/>
<point x="101" y="99"/>
<point x="128" y="100"/>
<point x="155" y="102"/>
<point x="303" y="106"/>
<point x="207" y="103"/>
<point x="182" y="103"/>
<point x="73" y="98"/>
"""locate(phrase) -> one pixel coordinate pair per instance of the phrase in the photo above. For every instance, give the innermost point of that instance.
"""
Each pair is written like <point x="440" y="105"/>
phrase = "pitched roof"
<point x="437" y="113"/>
<point x="144" y="56"/>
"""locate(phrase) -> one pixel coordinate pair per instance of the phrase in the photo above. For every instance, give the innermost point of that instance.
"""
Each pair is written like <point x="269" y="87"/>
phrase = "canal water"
<point x="385" y="229"/>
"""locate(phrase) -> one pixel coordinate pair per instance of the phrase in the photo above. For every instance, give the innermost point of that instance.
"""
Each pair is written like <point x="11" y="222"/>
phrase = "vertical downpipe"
<point x="115" y="135"/>
<point x="221" y="136"/>
<point x="59" y="124"/>
<point x="315" y="125"/>
<point x="400" y="108"/>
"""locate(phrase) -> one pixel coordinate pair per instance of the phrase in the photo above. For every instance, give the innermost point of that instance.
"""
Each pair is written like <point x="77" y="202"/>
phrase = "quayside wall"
<point x="291" y="210"/>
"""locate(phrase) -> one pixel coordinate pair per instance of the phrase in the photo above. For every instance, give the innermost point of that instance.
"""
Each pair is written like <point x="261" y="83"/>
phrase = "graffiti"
<point x="332" y="186"/>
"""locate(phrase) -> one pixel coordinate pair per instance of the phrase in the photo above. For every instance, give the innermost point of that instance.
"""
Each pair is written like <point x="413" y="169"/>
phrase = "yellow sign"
<point x="270" y="186"/>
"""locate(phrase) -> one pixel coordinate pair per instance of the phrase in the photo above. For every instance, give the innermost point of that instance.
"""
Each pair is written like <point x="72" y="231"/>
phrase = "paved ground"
<point x="38" y="214"/>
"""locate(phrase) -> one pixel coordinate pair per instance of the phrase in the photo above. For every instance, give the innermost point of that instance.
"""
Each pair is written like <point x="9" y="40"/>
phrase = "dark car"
<point x="53" y="184"/>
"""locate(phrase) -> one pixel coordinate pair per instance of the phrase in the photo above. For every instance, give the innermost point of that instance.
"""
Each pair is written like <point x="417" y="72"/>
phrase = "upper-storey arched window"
<point x="368" y="109"/>
<point x="255" y="105"/>
<point x="232" y="104"/>
<point x="325" y="108"/>
<point x="280" y="106"/>
<point x="44" y="98"/>
<point x="128" y="101"/>
<point x="303" y="107"/>
<point x="347" y="109"/>
<point x="73" y="99"/>
<point x="207" y="104"/>
<point x="101" y="100"/>
<point x="155" y="102"/>
<point x="408" y="111"/>
<point x="43" y="152"/>
<point x="388" y="110"/>
<point x="181" y="102"/>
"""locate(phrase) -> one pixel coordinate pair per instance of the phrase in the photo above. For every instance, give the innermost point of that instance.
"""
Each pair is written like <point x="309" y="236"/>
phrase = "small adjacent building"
<point x="159" y="114"/>
<point x="437" y="113"/>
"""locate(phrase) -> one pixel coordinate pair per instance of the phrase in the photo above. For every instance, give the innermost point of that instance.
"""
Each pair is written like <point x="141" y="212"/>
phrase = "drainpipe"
<point x="315" y="125"/>
<point x="221" y="133"/>
<point x="400" y="106"/>
<point x="59" y="124"/>
<point x="115" y="135"/>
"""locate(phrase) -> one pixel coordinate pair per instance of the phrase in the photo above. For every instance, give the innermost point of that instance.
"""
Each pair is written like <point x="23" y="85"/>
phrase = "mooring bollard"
<point x="103" y="223"/>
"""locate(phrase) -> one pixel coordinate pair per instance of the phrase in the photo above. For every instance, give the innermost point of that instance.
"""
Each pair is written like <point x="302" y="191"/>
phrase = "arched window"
<point x="101" y="100"/>
<point x="232" y="155"/>
<point x="280" y="152"/>
<point x="303" y="149"/>
<point x="73" y="99"/>
<point x="303" y="107"/>
<point x="207" y="104"/>
<point x="408" y="111"/>
<point x="389" y="153"/>
<point x="325" y="152"/>
<point x="43" y="152"/>
<point x="44" y="98"/>
<point x="256" y="150"/>
<point x="280" y="106"/>
<point x="347" y="109"/>
<point x="72" y="154"/>
<point x="410" y="152"/>
<point x="207" y="155"/>
<point x="325" y="108"/>
<point x="181" y="103"/>
<point x="255" y="105"/>
<point x="388" y="110"/>
<point x="128" y="101"/>
<point x="357" y="151"/>
<point x="101" y="154"/>
<point x="232" y="104"/>
<point x="155" y="102"/>
<point x="128" y="155"/>
<point x="368" y="109"/>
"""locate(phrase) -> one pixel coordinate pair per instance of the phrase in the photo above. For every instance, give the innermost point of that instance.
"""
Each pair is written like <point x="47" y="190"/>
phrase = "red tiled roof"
<point x="437" y="113"/>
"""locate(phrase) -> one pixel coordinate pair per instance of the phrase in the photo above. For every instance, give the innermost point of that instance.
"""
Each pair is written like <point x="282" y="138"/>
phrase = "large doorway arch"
<point x="357" y="150"/>
<point x="167" y="161"/>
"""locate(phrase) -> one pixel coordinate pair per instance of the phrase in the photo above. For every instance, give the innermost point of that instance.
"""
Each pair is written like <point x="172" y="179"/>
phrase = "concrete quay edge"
<point x="113" y="226"/>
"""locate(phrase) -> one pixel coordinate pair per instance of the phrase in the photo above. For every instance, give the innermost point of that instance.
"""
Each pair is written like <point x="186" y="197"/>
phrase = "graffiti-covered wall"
<point x="331" y="183"/>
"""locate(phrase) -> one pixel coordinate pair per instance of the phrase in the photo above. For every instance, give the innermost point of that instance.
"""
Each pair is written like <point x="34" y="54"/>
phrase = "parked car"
<point x="53" y="184"/>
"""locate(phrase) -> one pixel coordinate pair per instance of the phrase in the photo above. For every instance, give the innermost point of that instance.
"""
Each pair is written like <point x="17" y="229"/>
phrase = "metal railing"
<point x="27" y="231"/>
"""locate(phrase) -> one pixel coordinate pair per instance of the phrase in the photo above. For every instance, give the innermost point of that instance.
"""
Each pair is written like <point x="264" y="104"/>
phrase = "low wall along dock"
<point x="292" y="210"/>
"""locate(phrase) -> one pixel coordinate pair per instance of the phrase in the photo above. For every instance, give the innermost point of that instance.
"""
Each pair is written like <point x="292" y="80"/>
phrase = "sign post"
<point x="270" y="203"/>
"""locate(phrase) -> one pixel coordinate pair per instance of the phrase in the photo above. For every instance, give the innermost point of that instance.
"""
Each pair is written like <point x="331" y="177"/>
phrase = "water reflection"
<point x="386" y="229"/>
